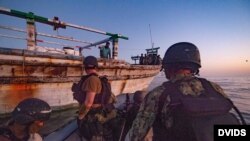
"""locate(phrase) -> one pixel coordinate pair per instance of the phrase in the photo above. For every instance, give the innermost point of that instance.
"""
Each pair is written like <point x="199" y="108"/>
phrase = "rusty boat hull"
<point x="25" y="73"/>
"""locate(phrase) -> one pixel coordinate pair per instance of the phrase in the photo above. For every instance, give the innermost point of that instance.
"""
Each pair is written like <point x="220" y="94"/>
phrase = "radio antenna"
<point x="152" y="44"/>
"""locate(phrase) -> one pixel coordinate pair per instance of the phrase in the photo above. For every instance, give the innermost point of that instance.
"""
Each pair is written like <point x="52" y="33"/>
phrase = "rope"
<point x="41" y="41"/>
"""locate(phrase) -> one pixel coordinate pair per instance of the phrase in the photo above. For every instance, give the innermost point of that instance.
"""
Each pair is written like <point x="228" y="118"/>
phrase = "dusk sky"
<point x="219" y="28"/>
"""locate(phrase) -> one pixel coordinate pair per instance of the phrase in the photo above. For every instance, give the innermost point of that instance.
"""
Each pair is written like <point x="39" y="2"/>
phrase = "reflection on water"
<point x="59" y="119"/>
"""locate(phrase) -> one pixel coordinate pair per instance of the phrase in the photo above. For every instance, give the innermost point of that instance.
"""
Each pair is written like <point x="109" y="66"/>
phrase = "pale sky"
<point x="219" y="28"/>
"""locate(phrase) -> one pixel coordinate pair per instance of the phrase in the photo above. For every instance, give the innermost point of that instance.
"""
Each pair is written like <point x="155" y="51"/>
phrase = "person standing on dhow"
<point x="27" y="119"/>
<point x="186" y="107"/>
<point x="105" y="51"/>
<point x="93" y="115"/>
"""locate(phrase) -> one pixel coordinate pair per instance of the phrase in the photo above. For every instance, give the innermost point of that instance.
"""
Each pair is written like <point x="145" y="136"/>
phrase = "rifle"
<point x="127" y="102"/>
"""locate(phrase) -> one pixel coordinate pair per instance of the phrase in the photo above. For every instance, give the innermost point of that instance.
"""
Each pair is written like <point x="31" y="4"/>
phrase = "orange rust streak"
<point x="18" y="92"/>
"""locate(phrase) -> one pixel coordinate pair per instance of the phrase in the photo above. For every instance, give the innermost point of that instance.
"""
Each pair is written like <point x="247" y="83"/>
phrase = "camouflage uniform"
<point x="149" y="108"/>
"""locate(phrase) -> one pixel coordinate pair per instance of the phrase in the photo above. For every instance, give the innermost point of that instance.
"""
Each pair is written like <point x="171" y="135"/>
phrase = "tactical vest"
<point x="102" y="98"/>
<point x="192" y="117"/>
<point x="6" y="132"/>
<point x="96" y="122"/>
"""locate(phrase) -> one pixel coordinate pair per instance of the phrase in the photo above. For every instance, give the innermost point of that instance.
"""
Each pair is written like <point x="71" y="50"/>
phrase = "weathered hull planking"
<point x="25" y="73"/>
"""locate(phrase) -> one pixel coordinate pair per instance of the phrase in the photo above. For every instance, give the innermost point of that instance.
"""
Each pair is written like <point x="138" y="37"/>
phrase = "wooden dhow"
<point x="48" y="73"/>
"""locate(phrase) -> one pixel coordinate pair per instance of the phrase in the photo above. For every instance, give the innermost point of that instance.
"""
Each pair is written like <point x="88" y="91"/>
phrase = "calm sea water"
<point x="237" y="88"/>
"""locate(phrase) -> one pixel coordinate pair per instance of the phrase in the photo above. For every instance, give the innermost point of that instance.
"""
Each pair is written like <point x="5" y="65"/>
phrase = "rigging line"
<point x="41" y="41"/>
<point x="46" y="35"/>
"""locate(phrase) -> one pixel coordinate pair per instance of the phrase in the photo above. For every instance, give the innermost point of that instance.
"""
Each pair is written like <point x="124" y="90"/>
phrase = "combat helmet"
<point x="31" y="109"/>
<point x="182" y="54"/>
<point x="90" y="62"/>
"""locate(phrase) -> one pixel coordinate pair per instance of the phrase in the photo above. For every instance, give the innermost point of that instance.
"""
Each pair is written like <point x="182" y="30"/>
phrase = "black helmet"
<point x="90" y="62"/>
<point x="138" y="96"/>
<point x="182" y="53"/>
<point x="31" y="109"/>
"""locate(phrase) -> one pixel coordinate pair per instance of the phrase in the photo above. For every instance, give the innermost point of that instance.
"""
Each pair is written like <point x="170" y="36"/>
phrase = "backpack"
<point x="103" y="98"/>
<point x="195" y="117"/>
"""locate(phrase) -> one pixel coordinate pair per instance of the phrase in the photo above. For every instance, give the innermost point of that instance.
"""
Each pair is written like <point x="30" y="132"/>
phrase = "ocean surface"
<point x="236" y="87"/>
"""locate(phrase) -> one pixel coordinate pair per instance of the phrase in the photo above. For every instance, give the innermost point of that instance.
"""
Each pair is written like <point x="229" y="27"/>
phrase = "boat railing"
<point x="65" y="47"/>
<point x="150" y="58"/>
